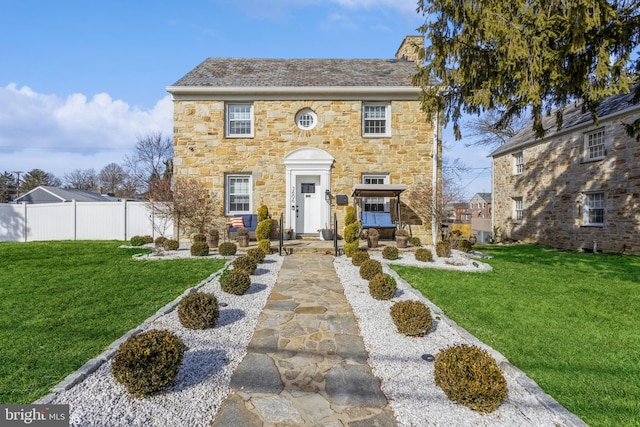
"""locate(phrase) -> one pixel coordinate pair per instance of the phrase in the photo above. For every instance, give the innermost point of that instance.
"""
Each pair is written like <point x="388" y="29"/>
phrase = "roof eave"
<point x="194" y="93"/>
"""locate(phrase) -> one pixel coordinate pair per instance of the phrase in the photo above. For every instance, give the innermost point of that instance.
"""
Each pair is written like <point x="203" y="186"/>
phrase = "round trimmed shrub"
<point x="465" y="246"/>
<point x="265" y="246"/>
<point x="443" y="249"/>
<point x="263" y="230"/>
<point x="257" y="254"/>
<point x="160" y="240"/>
<point x="359" y="257"/>
<point x="199" y="249"/>
<point x="237" y="282"/>
<point x="171" y="245"/>
<point x="415" y="241"/>
<point x="198" y="310"/>
<point x="227" y="248"/>
<point x="351" y="232"/>
<point x="424" y="255"/>
<point x="148" y="362"/>
<point x="382" y="286"/>
<point x="350" y="215"/>
<point x="412" y="318"/>
<point x="245" y="263"/>
<point x="199" y="238"/>
<point x="263" y="213"/>
<point x="471" y="377"/>
<point x="137" y="241"/>
<point x="390" y="252"/>
<point x="351" y="248"/>
<point x="369" y="269"/>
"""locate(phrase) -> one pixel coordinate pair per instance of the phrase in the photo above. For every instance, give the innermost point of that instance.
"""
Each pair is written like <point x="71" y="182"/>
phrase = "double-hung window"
<point x="593" y="212"/>
<point x="238" y="194"/>
<point x="375" y="120"/>
<point x="518" y="163"/>
<point x="594" y="145"/>
<point x="239" y="120"/>
<point x="375" y="204"/>
<point x="518" y="208"/>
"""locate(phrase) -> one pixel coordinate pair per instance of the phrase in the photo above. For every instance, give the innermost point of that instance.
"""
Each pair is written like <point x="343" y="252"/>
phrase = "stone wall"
<point x="201" y="149"/>
<point x="552" y="185"/>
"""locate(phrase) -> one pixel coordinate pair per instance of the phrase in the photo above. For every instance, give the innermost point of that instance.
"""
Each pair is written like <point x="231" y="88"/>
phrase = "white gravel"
<point x="213" y="354"/>
<point x="407" y="379"/>
<point x="203" y="380"/>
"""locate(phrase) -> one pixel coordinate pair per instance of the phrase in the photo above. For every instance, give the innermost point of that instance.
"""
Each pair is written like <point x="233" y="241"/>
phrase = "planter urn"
<point x="243" y="241"/>
<point x="402" y="241"/>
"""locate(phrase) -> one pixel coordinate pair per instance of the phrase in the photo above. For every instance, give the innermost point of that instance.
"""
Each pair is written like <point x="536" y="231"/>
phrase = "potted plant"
<point x="243" y="237"/>
<point x="372" y="238"/>
<point x="326" y="233"/>
<point x="213" y="238"/>
<point x="402" y="238"/>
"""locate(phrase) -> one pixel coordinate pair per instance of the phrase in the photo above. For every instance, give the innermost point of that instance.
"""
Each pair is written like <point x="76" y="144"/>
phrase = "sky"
<point x="81" y="81"/>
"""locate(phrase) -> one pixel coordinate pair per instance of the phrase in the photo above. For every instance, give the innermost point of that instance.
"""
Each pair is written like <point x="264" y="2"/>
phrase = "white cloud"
<point x="59" y="135"/>
<point x="401" y="5"/>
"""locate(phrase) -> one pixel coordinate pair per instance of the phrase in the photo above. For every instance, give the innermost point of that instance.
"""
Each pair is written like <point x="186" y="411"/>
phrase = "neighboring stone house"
<point x="298" y="134"/>
<point x="576" y="188"/>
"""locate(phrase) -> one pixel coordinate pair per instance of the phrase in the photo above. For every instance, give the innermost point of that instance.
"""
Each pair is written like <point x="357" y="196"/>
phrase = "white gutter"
<point x="434" y="179"/>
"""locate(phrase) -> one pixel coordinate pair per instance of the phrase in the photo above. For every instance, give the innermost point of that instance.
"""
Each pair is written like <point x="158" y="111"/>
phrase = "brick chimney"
<point x="408" y="49"/>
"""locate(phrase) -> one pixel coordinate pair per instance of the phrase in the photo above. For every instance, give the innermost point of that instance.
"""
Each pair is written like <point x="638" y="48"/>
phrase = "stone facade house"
<point x="576" y="188"/>
<point x="298" y="134"/>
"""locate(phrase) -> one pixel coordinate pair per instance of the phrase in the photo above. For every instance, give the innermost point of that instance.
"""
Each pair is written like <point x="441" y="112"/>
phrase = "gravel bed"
<point x="203" y="380"/>
<point x="407" y="378"/>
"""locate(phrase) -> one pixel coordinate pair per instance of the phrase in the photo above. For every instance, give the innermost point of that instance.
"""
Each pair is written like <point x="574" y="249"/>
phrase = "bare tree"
<point x="489" y="131"/>
<point x="189" y="204"/>
<point x="112" y="178"/>
<point x="82" y="179"/>
<point x="150" y="160"/>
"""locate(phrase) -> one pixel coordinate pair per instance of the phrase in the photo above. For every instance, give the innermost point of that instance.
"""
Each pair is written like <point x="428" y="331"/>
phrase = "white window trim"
<point x="586" y="157"/>
<point x="385" y="178"/>
<point x="586" y="209"/>
<point x="518" y="208"/>
<point x="227" y="207"/>
<point x="518" y="163"/>
<point x="309" y="113"/>
<point x="387" y="119"/>
<point x="227" y="121"/>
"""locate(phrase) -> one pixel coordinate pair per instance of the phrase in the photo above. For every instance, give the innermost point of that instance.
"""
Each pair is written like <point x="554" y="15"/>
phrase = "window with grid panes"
<point x="239" y="122"/>
<point x="593" y="212"/>
<point x="594" y="145"/>
<point x="518" y="208"/>
<point x="518" y="160"/>
<point x="238" y="194"/>
<point x="375" y="118"/>
<point x="374" y="204"/>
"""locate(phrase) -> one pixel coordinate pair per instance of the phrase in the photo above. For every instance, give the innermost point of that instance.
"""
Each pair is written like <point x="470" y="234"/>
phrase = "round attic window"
<point x="306" y="119"/>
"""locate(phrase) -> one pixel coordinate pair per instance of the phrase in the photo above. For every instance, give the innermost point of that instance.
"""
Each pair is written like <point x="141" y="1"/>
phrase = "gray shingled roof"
<point x="573" y="117"/>
<point x="484" y="196"/>
<point x="247" y="72"/>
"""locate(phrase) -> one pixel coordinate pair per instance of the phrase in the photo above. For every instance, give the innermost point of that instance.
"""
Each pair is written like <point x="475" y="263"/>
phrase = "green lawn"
<point x="63" y="303"/>
<point x="571" y="321"/>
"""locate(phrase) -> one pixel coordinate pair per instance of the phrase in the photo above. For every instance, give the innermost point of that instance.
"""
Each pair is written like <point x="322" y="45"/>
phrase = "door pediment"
<point x="308" y="157"/>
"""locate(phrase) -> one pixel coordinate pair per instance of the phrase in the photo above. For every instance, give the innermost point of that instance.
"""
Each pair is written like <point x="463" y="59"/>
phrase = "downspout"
<point x="434" y="179"/>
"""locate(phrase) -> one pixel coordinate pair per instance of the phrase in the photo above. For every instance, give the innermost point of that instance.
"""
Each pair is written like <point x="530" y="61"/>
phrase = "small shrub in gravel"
<point x="351" y="232"/>
<point x="148" y="362"/>
<point x="443" y="249"/>
<point x="199" y="249"/>
<point x="160" y="240"/>
<point x="263" y="230"/>
<point x="351" y="248"/>
<point x="465" y="246"/>
<point x="227" y="249"/>
<point x="171" y="245"/>
<point x="237" y="282"/>
<point x="359" y="257"/>
<point x="257" y="254"/>
<point x="245" y="263"/>
<point x="390" y="252"/>
<point x="424" y="255"/>
<point x="198" y="310"/>
<point x="199" y="238"/>
<point x="369" y="269"/>
<point x="350" y="215"/>
<point x="470" y="376"/>
<point x="382" y="286"/>
<point x="265" y="246"/>
<point x="140" y="240"/>
<point x="412" y="318"/>
<point x="415" y="241"/>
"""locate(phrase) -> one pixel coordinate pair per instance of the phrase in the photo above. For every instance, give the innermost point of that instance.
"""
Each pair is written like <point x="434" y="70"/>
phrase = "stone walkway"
<point x="306" y="363"/>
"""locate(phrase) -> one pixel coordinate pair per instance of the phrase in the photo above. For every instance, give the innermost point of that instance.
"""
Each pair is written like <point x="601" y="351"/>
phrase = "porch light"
<point x="327" y="195"/>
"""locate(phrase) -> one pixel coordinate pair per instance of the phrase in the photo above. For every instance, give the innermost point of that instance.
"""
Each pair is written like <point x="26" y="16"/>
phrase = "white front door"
<point x="308" y="204"/>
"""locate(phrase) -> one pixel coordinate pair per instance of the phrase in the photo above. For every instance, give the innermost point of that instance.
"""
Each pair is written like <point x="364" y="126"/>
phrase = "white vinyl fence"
<point x="80" y="221"/>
